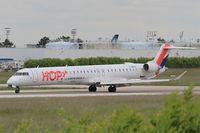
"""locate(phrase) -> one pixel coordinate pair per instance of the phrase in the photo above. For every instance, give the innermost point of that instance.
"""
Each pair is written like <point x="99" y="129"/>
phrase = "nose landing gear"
<point x="17" y="89"/>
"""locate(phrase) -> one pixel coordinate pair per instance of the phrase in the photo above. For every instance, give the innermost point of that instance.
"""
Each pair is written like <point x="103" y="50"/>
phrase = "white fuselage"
<point x="78" y="74"/>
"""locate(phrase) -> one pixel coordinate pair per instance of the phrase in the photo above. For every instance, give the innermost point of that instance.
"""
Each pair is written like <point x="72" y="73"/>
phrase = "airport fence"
<point x="173" y="62"/>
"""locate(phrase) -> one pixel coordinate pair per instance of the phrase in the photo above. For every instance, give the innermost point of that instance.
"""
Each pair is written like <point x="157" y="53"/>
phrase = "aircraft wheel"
<point x="112" y="88"/>
<point x="92" y="88"/>
<point x="17" y="90"/>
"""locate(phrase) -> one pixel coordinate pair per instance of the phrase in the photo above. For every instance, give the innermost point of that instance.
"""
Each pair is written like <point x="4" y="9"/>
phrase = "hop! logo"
<point x="53" y="75"/>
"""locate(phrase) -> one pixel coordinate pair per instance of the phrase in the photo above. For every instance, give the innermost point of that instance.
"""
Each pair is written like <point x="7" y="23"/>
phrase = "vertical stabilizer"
<point x="115" y="39"/>
<point x="162" y="55"/>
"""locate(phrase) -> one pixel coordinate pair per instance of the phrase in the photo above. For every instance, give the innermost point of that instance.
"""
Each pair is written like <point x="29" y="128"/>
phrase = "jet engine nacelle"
<point x="150" y="66"/>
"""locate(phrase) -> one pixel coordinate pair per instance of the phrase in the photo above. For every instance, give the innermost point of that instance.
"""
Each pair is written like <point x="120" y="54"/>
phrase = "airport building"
<point x="7" y="64"/>
<point x="23" y="54"/>
<point x="5" y="60"/>
<point x="62" y="45"/>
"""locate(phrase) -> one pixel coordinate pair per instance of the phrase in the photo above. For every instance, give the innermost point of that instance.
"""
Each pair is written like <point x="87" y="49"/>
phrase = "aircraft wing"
<point x="135" y="81"/>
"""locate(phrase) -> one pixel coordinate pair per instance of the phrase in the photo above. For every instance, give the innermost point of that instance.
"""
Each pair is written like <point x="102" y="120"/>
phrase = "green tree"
<point x="65" y="38"/>
<point x="79" y="40"/>
<point x="43" y="41"/>
<point x="161" y="40"/>
<point x="7" y="43"/>
<point x="179" y="115"/>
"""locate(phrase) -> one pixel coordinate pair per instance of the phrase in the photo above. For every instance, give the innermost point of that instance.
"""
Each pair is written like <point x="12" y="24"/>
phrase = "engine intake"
<point x="146" y="67"/>
<point x="150" y="67"/>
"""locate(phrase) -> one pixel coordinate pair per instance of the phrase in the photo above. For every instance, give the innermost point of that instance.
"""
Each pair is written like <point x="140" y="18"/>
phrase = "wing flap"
<point x="135" y="81"/>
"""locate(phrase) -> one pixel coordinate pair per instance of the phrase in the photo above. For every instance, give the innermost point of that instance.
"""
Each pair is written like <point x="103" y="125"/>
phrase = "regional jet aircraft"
<point x="95" y="75"/>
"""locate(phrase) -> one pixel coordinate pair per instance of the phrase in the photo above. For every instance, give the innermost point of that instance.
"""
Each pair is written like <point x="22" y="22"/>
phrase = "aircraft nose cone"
<point x="9" y="82"/>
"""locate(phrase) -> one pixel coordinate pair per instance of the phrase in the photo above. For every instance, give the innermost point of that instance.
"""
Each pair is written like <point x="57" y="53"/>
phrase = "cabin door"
<point x="35" y="76"/>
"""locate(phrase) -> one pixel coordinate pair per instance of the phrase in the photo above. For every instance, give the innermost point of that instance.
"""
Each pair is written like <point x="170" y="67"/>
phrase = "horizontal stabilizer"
<point x="183" y="48"/>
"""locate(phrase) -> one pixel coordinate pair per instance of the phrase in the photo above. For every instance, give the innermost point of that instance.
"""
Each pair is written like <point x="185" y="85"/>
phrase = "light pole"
<point x="7" y="32"/>
<point x="73" y="32"/>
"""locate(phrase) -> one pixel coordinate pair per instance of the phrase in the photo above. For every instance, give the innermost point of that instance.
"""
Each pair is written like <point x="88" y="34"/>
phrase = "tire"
<point x="112" y="88"/>
<point x="17" y="90"/>
<point x="92" y="88"/>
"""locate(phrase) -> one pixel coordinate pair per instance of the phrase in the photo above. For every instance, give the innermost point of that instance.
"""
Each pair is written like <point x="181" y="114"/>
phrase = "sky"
<point x="31" y="20"/>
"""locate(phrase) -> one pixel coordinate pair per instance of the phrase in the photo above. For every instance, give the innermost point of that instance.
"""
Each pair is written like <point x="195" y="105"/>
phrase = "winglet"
<point x="180" y="76"/>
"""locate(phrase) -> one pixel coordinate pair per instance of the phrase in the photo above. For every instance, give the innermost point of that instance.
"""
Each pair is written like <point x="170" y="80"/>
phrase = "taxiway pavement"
<point x="101" y="91"/>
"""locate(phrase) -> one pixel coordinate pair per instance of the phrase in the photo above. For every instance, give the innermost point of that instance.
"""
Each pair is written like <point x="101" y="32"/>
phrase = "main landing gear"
<point x="17" y="89"/>
<point x="112" y="88"/>
<point x="93" y="88"/>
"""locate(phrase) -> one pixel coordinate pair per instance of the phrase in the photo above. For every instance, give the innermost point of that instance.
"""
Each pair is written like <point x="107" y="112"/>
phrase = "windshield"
<point x="21" y="74"/>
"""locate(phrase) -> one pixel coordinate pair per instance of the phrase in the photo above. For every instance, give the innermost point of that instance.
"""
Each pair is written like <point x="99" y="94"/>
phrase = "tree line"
<point x="173" y="62"/>
<point x="43" y="41"/>
<point x="7" y="44"/>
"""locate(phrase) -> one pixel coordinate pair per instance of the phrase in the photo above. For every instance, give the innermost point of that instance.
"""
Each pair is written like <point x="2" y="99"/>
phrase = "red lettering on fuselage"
<point x="59" y="75"/>
<point x="53" y="75"/>
<point x="45" y="76"/>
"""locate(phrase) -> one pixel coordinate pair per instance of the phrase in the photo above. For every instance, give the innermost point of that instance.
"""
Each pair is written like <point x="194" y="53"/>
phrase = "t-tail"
<point x="158" y="63"/>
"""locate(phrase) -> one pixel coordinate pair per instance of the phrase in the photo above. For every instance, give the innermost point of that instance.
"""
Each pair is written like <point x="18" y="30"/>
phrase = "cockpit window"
<point x="21" y="74"/>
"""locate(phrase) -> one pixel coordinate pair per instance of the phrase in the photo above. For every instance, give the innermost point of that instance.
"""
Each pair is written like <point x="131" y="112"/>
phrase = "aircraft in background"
<point x="96" y="75"/>
<point x="131" y="44"/>
<point x="115" y="39"/>
<point x="136" y="45"/>
<point x="62" y="45"/>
